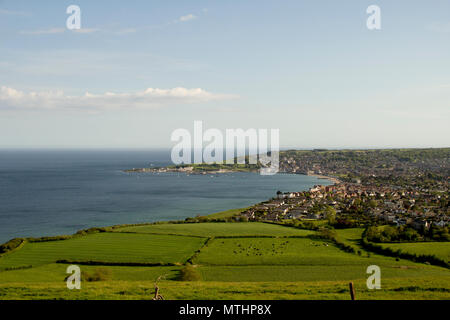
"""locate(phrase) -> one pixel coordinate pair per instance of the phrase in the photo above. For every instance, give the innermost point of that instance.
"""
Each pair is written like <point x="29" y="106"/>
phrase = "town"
<point x="399" y="188"/>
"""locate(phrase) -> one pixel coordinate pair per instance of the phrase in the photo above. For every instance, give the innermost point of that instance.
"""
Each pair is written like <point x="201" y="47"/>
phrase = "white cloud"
<point x="187" y="17"/>
<point x="11" y="98"/>
<point x="86" y="30"/>
<point x="59" y="30"/>
<point x="44" y="31"/>
<point x="122" y="31"/>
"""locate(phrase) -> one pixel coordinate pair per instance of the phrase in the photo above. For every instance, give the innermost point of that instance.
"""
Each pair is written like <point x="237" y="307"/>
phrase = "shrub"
<point x="47" y="239"/>
<point x="11" y="245"/>
<point x="327" y="233"/>
<point x="432" y="259"/>
<point x="91" y="230"/>
<point x="189" y="273"/>
<point x="99" y="274"/>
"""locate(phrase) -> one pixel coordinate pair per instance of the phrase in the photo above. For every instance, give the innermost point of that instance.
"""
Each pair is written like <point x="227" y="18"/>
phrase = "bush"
<point x="47" y="239"/>
<point x="432" y="259"/>
<point x="99" y="274"/>
<point x="392" y="234"/>
<point x="189" y="273"/>
<point x="327" y="233"/>
<point x="11" y="245"/>
<point x="91" y="230"/>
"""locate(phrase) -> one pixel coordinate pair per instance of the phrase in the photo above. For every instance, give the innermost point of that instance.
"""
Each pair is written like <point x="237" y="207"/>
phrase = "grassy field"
<point x="439" y="249"/>
<point x="309" y="273"/>
<point x="395" y="289"/>
<point x="266" y="251"/>
<point x="350" y="236"/>
<point x="226" y="214"/>
<point x="57" y="272"/>
<point x="232" y="261"/>
<point x="216" y="229"/>
<point x="108" y="247"/>
<point x="286" y="251"/>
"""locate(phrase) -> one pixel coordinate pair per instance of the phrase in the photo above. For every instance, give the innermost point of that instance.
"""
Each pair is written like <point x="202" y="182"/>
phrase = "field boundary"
<point x="204" y="237"/>
<point x="22" y="243"/>
<point x="196" y="253"/>
<point x="119" y="264"/>
<point x="421" y="258"/>
<point x="160" y="234"/>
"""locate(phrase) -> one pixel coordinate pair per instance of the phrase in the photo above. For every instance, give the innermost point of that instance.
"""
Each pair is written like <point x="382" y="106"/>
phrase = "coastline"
<point x="192" y="169"/>
<point x="202" y="170"/>
<point x="332" y="179"/>
<point x="188" y="172"/>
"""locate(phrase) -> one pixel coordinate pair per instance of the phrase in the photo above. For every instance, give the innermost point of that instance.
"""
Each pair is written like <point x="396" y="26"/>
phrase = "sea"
<point x="55" y="192"/>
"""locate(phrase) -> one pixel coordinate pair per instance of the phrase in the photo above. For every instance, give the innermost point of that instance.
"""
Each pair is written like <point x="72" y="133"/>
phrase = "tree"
<point x="330" y="214"/>
<point x="373" y="203"/>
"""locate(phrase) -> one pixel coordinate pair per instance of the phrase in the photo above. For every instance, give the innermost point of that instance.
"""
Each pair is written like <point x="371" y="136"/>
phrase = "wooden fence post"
<point x="352" y="291"/>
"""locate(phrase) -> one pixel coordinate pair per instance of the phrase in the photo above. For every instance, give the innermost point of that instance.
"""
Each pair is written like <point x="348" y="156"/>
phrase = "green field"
<point x="108" y="247"/>
<point x="226" y="213"/>
<point x="439" y="249"/>
<point x="308" y="273"/>
<point x="286" y="251"/>
<point x="57" y="272"/>
<point x="232" y="261"/>
<point x="266" y="251"/>
<point x="350" y="236"/>
<point x="395" y="289"/>
<point x="214" y="229"/>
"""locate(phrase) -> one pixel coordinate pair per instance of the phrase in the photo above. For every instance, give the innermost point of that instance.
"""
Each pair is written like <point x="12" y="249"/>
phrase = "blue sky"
<point x="310" y="68"/>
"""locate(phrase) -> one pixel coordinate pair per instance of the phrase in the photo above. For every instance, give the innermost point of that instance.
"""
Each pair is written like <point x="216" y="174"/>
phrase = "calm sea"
<point x="45" y="192"/>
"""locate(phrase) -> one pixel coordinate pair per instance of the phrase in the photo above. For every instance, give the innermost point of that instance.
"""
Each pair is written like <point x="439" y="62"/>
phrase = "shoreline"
<point x="191" y="170"/>
<point x="333" y="180"/>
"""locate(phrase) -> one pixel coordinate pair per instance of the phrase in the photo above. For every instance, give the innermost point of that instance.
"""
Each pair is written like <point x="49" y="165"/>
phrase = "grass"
<point x="395" y="289"/>
<point x="439" y="249"/>
<point x="226" y="214"/>
<point x="57" y="273"/>
<point x="218" y="229"/>
<point x="350" y="236"/>
<point x="108" y="247"/>
<point x="240" y="261"/>
<point x="288" y="251"/>
<point x="313" y="273"/>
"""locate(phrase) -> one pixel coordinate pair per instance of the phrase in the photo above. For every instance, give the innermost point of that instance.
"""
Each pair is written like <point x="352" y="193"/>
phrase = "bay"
<point x="52" y="192"/>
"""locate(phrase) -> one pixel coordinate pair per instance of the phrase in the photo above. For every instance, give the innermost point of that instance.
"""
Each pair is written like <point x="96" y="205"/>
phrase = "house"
<point x="420" y="224"/>
<point x="315" y="189"/>
<point x="314" y="216"/>
<point x="261" y="208"/>
<point x="440" y="224"/>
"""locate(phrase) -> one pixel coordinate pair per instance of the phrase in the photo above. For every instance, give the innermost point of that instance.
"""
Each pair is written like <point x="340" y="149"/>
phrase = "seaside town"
<point x="406" y="188"/>
<point x="400" y="188"/>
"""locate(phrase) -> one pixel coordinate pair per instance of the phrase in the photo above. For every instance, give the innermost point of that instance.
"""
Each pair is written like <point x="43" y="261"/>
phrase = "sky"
<point x="138" y="70"/>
